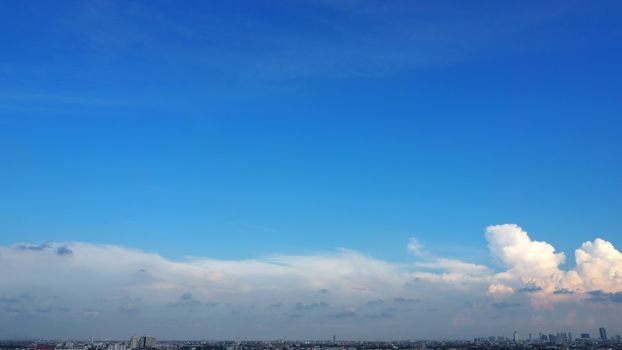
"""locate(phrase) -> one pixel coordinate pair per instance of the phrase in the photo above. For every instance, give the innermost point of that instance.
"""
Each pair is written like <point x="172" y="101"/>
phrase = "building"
<point x="561" y="337"/>
<point x="603" y="333"/>
<point x="147" y="342"/>
<point x="144" y="342"/>
<point x="134" y="342"/>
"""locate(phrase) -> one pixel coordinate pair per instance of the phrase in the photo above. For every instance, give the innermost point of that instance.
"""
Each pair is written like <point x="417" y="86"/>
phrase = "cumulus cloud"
<point x="598" y="266"/>
<point x="498" y="290"/>
<point x="533" y="268"/>
<point x="90" y="285"/>
<point x="521" y="255"/>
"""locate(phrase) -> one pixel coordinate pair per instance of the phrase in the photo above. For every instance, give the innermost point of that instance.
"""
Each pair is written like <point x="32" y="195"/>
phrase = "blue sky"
<point x="243" y="129"/>
<point x="240" y="130"/>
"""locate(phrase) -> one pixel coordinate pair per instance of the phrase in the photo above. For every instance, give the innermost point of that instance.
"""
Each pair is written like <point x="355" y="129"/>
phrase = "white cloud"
<point x="533" y="267"/>
<point x="415" y="247"/>
<point x="445" y="269"/>
<point x="498" y="290"/>
<point x="598" y="267"/>
<point x="455" y="266"/>
<point x="516" y="251"/>
<point x="113" y="289"/>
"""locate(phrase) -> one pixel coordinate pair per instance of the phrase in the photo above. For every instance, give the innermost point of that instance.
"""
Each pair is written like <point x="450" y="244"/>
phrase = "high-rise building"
<point x="585" y="335"/>
<point x="603" y="333"/>
<point x="146" y="342"/>
<point x="134" y="342"/>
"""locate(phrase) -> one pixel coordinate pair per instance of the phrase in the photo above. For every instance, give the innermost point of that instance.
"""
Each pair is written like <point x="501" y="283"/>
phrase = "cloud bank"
<point x="77" y="289"/>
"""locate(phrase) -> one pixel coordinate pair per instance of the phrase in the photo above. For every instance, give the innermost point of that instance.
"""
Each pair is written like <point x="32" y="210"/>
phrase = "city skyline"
<point x="146" y="341"/>
<point x="368" y="169"/>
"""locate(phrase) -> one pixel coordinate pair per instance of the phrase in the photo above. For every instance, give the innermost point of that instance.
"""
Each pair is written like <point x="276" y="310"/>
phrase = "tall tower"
<point x="603" y="333"/>
<point x="134" y="342"/>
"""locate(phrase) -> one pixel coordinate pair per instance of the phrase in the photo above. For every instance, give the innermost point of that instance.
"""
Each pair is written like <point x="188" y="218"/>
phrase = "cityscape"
<point x="559" y="340"/>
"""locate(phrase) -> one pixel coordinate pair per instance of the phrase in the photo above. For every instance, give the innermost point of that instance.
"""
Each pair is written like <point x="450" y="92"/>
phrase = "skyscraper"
<point x="134" y="342"/>
<point x="147" y="342"/>
<point x="561" y="337"/>
<point x="603" y="333"/>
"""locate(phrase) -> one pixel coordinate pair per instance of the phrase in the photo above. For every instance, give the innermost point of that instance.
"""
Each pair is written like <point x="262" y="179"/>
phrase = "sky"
<point x="370" y="169"/>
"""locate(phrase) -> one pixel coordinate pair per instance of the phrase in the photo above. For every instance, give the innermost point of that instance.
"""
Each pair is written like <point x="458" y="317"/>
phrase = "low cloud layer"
<point x="76" y="289"/>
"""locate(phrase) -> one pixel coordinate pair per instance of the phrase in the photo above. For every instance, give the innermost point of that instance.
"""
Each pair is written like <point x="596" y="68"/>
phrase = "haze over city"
<point x="321" y="170"/>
